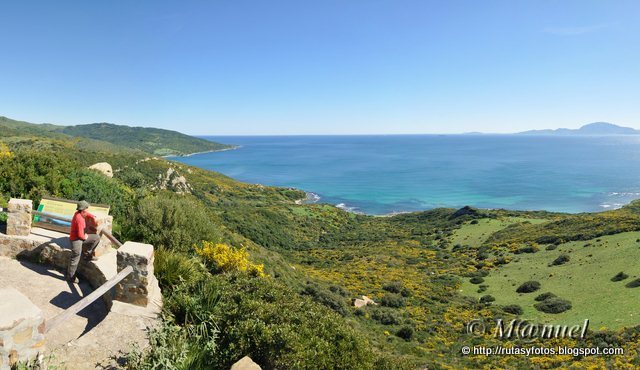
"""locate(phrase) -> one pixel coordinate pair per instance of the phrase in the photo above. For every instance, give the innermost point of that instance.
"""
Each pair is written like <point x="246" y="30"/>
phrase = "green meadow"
<point x="585" y="280"/>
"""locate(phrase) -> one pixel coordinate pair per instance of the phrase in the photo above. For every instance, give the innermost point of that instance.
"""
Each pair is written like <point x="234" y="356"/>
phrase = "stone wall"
<point x="21" y="329"/>
<point x="138" y="285"/>
<point x="19" y="217"/>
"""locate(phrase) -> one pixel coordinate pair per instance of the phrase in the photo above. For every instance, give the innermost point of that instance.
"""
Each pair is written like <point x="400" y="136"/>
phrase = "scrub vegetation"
<point x="245" y="270"/>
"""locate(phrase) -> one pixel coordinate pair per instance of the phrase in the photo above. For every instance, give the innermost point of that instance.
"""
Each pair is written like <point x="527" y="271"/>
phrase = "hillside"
<point x="429" y="272"/>
<point x="150" y="140"/>
<point x="592" y="129"/>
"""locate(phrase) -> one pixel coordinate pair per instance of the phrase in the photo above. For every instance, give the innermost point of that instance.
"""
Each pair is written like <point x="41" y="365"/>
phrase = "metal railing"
<point x="67" y="219"/>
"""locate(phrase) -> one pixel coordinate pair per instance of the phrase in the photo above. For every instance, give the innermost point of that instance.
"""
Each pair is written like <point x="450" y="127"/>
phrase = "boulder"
<point x="104" y="168"/>
<point x="365" y="301"/>
<point x="245" y="363"/>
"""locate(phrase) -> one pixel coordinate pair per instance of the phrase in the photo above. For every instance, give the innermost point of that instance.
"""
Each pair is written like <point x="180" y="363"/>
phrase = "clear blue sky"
<point x="322" y="67"/>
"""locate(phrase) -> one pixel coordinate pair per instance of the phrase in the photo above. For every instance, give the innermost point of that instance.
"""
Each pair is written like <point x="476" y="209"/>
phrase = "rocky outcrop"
<point x="171" y="180"/>
<point x="104" y="168"/>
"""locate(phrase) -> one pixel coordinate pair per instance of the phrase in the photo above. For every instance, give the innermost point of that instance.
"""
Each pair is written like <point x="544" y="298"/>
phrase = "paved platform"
<point x="91" y="339"/>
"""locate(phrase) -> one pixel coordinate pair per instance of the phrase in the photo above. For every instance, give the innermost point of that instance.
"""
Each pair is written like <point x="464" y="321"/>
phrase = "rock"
<point x="365" y="301"/>
<point x="171" y="180"/>
<point x="103" y="167"/>
<point x="245" y="363"/>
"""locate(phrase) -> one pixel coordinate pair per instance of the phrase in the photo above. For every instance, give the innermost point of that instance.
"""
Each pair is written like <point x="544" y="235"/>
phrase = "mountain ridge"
<point x="593" y="129"/>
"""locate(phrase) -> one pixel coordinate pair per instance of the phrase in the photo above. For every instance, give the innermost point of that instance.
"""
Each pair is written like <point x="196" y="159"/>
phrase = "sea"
<point x="387" y="174"/>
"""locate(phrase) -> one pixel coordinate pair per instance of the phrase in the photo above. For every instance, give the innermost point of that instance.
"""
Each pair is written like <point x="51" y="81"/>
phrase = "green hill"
<point x="150" y="140"/>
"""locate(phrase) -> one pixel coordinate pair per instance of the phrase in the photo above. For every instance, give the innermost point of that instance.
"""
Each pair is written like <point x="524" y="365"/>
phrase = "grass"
<point x="476" y="234"/>
<point x="585" y="281"/>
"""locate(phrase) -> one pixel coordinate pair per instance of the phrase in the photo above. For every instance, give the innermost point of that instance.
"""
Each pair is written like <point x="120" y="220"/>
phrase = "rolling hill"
<point x="150" y="140"/>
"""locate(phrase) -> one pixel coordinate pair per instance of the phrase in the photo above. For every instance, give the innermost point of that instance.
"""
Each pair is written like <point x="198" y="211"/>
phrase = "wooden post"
<point x="84" y="302"/>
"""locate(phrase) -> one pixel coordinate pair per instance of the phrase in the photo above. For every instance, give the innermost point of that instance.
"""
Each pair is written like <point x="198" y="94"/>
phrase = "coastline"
<point x="233" y="147"/>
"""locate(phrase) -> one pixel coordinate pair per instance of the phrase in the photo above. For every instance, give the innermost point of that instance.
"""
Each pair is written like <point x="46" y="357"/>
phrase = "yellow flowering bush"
<point x="4" y="151"/>
<point x="225" y="258"/>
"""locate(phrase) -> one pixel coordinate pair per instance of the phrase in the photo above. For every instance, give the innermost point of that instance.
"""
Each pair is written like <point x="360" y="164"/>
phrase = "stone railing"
<point x="137" y="294"/>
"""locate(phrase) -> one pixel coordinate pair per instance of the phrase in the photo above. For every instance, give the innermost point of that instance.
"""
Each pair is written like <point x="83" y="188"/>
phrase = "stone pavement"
<point x="89" y="339"/>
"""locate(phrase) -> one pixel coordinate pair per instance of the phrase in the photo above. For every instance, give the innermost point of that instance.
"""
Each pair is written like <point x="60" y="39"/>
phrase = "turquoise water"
<point x="386" y="174"/>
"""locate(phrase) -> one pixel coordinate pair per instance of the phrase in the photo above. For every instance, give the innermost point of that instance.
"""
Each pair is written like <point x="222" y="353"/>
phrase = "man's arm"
<point x="81" y="225"/>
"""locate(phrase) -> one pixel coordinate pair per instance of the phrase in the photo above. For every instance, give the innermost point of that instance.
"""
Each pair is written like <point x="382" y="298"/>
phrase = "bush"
<point x="405" y="332"/>
<point x="551" y="247"/>
<point x="513" y="308"/>
<point x="385" y="316"/>
<point x="223" y="258"/>
<point x="326" y="297"/>
<point x="545" y="296"/>
<point x="476" y="280"/>
<point x="633" y="283"/>
<point x="619" y="276"/>
<point x="561" y="260"/>
<point x="487" y="299"/>
<point x="173" y="269"/>
<point x="553" y="305"/>
<point x="528" y="287"/>
<point x="392" y="300"/>
<point x="261" y="318"/>
<point x="173" y="221"/>
<point x="396" y="287"/>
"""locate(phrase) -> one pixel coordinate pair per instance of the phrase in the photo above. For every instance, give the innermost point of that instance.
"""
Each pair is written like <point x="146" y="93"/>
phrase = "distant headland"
<point x="591" y="129"/>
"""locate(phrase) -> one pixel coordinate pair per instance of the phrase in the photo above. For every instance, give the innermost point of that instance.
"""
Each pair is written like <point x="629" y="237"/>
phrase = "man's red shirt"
<point x="78" y="224"/>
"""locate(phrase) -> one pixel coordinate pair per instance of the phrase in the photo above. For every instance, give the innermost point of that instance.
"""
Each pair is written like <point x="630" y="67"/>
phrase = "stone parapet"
<point x="19" y="217"/>
<point x="21" y="328"/>
<point x="104" y="223"/>
<point x="138" y="286"/>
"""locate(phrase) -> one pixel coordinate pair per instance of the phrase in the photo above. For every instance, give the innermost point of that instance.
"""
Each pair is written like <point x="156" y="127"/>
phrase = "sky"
<point x="241" y="67"/>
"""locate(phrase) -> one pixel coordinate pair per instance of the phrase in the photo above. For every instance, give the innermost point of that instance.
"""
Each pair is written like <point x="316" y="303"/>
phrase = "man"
<point x="81" y="220"/>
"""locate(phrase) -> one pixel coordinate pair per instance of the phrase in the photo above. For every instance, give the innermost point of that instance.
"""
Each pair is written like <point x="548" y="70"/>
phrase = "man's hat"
<point x="82" y="205"/>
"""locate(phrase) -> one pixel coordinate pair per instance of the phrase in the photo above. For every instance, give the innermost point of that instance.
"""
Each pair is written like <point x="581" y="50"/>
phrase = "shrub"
<point x="545" y="296"/>
<point x="482" y="288"/>
<point x="619" y="276"/>
<point x="385" y="316"/>
<point x="396" y="287"/>
<point x="528" y="287"/>
<point x="633" y="283"/>
<point x="169" y="220"/>
<point x="487" y="299"/>
<point x="513" y="308"/>
<point x="392" y="300"/>
<point x="223" y="258"/>
<point x="476" y="280"/>
<point x="527" y="249"/>
<point x="173" y="269"/>
<point x="553" y="305"/>
<point x="561" y="260"/>
<point x="393" y="287"/>
<point x="326" y="297"/>
<point x="551" y="247"/>
<point x="405" y="332"/>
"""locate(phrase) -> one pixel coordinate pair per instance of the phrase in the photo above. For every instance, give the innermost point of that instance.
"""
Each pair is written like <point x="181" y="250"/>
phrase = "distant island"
<point x="591" y="129"/>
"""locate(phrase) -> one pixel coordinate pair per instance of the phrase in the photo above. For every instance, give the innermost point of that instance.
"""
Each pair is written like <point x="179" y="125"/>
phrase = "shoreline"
<point x="233" y="147"/>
